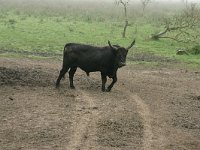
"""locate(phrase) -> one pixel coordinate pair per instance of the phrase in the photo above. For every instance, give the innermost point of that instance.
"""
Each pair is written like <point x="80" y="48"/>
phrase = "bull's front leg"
<point x="113" y="82"/>
<point x="104" y="79"/>
<point x="71" y="76"/>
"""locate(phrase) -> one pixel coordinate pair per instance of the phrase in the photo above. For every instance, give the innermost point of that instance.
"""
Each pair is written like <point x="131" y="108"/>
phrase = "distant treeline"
<point x="101" y="9"/>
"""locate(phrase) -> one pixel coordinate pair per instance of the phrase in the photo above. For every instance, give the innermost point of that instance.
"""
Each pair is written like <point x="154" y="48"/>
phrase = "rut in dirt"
<point x="100" y="120"/>
<point x="115" y="123"/>
<point x="145" y="113"/>
<point x="85" y="124"/>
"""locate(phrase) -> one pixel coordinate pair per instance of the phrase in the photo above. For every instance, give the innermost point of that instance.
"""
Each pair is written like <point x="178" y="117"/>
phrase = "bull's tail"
<point x="64" y="57"/>
<point x="64" y="65"/>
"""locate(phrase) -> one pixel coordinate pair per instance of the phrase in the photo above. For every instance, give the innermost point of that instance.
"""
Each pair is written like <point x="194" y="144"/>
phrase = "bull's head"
<point x="121" y="53"/>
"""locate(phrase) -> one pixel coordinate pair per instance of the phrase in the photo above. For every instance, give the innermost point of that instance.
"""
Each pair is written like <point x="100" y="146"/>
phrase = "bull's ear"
<point x="111" y="46"/>
<point x="131" y="45"/>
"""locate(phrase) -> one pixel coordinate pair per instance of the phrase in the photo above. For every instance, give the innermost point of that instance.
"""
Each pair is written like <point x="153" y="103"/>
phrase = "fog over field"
<point x="61" y="21"/>
<point x="104" y="5"/>
<point x="58" y="1"/>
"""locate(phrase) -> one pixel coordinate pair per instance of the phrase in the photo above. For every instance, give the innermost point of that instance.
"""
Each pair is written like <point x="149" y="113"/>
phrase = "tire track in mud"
<point x="145" y="114"/>
<point x="84" y="130"/>
<point x="86" y="123"/>
<point x="83" y="136"/>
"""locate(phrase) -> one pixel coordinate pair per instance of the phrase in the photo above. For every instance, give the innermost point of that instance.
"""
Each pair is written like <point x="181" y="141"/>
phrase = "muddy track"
<point x="146" y="110"/>
<point x="83" y="127"/>
<point x="84" y="131"/>
<point x="145" y="113"/>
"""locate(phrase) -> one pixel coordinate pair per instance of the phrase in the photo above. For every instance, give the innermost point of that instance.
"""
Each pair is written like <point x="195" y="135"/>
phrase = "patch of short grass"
<point x="48" y="33"/>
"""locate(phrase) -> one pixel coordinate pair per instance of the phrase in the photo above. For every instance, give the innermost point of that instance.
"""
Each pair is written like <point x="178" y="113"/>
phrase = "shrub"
<point x="11" y="21"/>
<point x="195" y="50"/>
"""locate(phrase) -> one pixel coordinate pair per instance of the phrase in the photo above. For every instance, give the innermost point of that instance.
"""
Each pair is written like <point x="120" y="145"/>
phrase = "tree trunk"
<point x="125" y="18"/>
<point x="125" y="27"/>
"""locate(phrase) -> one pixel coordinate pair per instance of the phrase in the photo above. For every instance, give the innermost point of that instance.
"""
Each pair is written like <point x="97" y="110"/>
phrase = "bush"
<point x="195" y="50"/>
<point x="11" y="21"/>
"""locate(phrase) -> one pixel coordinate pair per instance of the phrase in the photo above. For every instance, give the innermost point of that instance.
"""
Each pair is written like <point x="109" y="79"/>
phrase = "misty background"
<point x="46" y="25"/>
<point x="99" y="8"/>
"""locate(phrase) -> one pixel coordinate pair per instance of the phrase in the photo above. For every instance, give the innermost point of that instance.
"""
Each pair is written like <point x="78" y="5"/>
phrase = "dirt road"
<point x="148" y="109"/>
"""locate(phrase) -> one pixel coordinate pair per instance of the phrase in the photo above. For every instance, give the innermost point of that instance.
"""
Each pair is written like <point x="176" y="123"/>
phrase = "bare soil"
<point x="148" y="109"/>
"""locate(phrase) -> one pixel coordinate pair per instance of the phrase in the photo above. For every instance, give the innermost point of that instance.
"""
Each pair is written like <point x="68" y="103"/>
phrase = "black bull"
<point x="106" y="59"/>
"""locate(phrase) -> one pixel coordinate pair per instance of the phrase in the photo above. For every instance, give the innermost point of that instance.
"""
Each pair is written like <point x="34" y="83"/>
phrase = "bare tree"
<point x="185" y="2"/>
<point x="145" y="3"/>
<point x="182" y="27"/>
<point x="124" y="3"/>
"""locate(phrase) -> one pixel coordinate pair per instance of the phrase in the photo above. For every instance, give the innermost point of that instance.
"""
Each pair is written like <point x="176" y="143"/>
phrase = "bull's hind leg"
<point x="104" y="79"/>
<point x="71" y="76"/>
<point x="61" y="75"/>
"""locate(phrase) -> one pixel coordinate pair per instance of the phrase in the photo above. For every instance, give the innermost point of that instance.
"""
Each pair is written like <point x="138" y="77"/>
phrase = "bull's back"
<point x="88" y="58"/>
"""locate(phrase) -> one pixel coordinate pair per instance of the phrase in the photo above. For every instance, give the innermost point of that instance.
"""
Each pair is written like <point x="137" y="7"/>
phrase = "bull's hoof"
<point x="108" y="90"/>
<point x="72" y="87"/>
<point x="103" y="90"/>
<point x="57" y="86"/>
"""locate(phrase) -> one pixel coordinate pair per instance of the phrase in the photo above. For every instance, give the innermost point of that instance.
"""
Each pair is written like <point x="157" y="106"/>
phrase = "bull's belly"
<point x="90" y="69"/>
<point x="108" y="72"/>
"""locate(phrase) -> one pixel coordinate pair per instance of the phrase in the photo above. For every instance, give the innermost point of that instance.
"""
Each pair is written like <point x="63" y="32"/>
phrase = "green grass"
<point x="46" y="33"/>
<point x="20" y="56"/>
<point x="49" y="34"/>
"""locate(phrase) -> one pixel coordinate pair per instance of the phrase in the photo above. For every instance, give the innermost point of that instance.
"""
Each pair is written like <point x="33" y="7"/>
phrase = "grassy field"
<point x="42" y="30"/>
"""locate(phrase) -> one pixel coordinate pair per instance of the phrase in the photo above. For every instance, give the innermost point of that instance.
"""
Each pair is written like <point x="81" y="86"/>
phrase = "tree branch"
<point x="185" y="25"/>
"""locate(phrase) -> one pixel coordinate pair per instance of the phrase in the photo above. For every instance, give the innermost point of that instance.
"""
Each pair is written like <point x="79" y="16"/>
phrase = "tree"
<point x="183" y="27"/>
<point x="144" y="5"/>
<point x="185" y="2"/>
<point x="124" y="3"/>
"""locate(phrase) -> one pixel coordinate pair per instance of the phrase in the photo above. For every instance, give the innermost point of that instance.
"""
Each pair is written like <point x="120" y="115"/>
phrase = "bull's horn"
<point x="111" y="45"/>
<point x="131" y="45"/>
